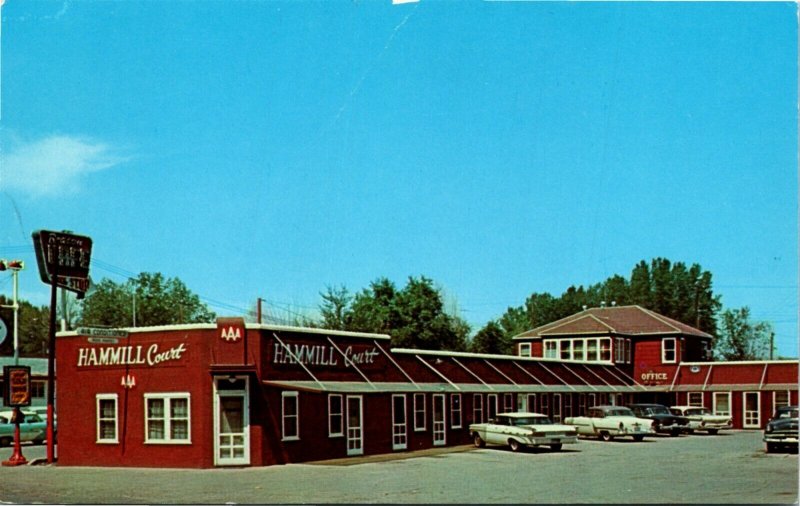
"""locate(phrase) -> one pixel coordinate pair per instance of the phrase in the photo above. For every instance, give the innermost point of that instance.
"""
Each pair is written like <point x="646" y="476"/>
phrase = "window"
<point x="695" y="399"/>
<point x="455" y="411"/>
<point x="591" y="350"/>
<point x="508" y="403"/>
<point x="107" y="418"/>
<point x="592" y="400"/>
<point x="477" y="408"/>
<point x="290" y="419"/>
<point x="668" y="350"/>
<point x="335" y="415"/>
<point x="627" y="351"/>
<point x="722" y="403"/>
<point x="567" y="405"/>
<point x="557" y="408"/>
<point x="167" y="418"/>
<point x="581" y="404"/>
<point x="619" y="350"/>
<point x="550" y="349"/>
<point x="545" y="410"/>
<point x="419" y="411"/>
<point x="38" y="389"/>
<point x="566" y="349"/>
<point x="605" y="350"/>
<point x="780" y="398"/>
<point x="578" y="349"/>
<point x="525" y="350"/>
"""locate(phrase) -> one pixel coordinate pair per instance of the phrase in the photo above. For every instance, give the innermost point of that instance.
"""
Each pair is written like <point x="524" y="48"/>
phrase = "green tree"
<point x="34" y="325"/>
<point x="742" y="339"/>
<point x="151" y="299"/>
<point x="335" y="308"/>
<point x="491" y="339"/>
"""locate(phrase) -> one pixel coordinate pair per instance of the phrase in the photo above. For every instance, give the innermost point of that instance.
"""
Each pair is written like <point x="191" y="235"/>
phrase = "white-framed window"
<point x="525" y="349"/>
<point x="605" y="350"/>
<point x="567" y="405"/>
<point x="668" y="350"/>
<point x="591" y="350"/>
<point x="543" y="405"/>
<point x="477" y="408"/>
<point x="694" y="399"/>
<point x="508" y="403"/>
<point x="581" y="404"/>
<point x="619" y="350"/>
<point x="290" y="416"/>
<point x="38" y="389"/>
<point x="335" y="415"/>
<point x="551" y="348"/>
<point x="419" y="412"/>
<point x="399" y="432"/>
<point x="721" y="403"/>
<point x="455" y="411"/>
<point x="167" y="418"/>
<point x="107" y="418"/>
<point x="780" y="398"/>
<point x="592" y="401"/>
<point x="628" y="351"/>
<point x="579" y="349"/>
<point x="565" y="346"/>
<point x="556" y="408"/>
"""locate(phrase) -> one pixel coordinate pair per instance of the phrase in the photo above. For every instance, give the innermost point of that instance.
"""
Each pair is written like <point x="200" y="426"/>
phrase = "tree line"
<point x="415" y="315"/>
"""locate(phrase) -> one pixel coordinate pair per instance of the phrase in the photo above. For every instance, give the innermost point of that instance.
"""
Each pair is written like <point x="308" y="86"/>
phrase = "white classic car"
<point x="608" y="422"/>
<point x="518" y="430"/>
<point x="701" y="418"/>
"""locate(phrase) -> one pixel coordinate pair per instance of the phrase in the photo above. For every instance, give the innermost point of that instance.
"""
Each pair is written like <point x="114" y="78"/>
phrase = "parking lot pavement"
<point x="728" y="468"/>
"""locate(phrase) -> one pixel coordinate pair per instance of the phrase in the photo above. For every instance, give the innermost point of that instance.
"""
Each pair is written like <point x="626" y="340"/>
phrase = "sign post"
<point x="63" y="260"/>
<point x="17" y="393"/>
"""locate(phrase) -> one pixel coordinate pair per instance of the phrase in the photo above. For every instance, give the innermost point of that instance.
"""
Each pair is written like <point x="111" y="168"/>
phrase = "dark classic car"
<point x="664" y="420"/>
<point x="781" y="431"/>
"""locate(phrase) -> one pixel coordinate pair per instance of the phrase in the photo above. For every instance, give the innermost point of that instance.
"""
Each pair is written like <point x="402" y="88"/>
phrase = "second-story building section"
<point x="633" y="338"/>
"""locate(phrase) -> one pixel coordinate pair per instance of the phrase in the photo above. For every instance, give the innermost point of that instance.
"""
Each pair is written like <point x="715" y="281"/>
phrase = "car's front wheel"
<point x="713" y="432"/>
<point x="514" y="445"/>
<point x="638" y="438"/>
<point x="771" y="447"/>
<point x="605" y="436"/>
<point x="556" y="447"/>
<point x="478" y="441"/>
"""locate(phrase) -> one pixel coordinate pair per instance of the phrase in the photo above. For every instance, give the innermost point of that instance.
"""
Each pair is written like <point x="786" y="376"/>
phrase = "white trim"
<point x="464" y="354"/>
<point x="477" y="407"/>
<point x="689" y="399"/>
<point x="437" y="372"/>
<point x="98" y="419"/>
<point x="389" y="356"/>
<point x="439" y="428"/>
<point x="714" y="403"/>
<point x="522" y="353"/>
<point x="296" y="396"/>
<point x="674" y="350"/>
<point x="253" y="326"/>
<point x="453" y="410"/>
<point x="400" y="430"/>
<point x="340" y="414"/>
<point x="757" y="424"/>
<point x="775" y="402"/>
<point x="424" y="426"/>
<point x="763" y="376"/>
<point x="355" y="435"/>
<point x="528" y="373"/>
<point x="500" y="373"/>
<point x="244" y="395"/>
<point x="472" y="373"/>
<point x="746" y="362"/>
<point x="168" y="397"/>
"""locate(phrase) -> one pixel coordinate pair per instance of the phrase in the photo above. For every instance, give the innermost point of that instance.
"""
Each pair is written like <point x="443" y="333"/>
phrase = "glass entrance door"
<point x="231" y="422"/>
<point x="355" y="429"/>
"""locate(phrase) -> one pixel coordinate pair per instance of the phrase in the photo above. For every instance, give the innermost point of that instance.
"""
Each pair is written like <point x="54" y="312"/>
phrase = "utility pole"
<point x="771" y="344"/>
<point x="258" y="310"/>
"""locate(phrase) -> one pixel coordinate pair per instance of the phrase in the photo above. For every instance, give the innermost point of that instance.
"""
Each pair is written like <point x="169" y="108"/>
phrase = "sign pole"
<point x="51" y="357"/>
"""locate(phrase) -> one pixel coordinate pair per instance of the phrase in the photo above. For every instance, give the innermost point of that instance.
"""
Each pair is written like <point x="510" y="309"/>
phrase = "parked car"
<point x="608" y="422"/>
<point x="664" y="420"/>
<point x="33" y="428"/>
<point x="702" y="419"/>
<point x="518" y="430"/>
<point x="781" y="432"/>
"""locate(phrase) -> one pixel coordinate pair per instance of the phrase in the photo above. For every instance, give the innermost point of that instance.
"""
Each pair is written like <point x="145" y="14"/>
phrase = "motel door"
<point x="439" y="424"/>
<point x="231" y="422"/>
<point x="355" y="426"/>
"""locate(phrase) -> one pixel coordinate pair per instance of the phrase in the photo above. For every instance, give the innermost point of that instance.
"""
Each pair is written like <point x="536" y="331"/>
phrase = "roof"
<point x="621" y="320"/>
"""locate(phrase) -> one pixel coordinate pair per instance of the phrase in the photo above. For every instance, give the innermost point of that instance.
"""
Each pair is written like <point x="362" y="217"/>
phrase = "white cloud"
<point x="55" y="165"/>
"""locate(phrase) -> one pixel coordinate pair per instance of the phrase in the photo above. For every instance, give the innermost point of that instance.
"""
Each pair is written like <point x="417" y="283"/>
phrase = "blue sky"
<point x="270" y="149"/>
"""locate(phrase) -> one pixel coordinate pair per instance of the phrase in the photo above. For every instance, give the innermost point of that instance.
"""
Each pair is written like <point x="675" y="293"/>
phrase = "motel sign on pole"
<point x="63" y="260"/>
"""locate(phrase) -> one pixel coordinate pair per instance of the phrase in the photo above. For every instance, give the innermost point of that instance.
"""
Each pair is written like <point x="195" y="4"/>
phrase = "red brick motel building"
<point x="236" y="394"/>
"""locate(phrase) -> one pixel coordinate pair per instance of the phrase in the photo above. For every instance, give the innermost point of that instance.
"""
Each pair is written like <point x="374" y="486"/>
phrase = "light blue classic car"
<point x="33" y="428"/>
